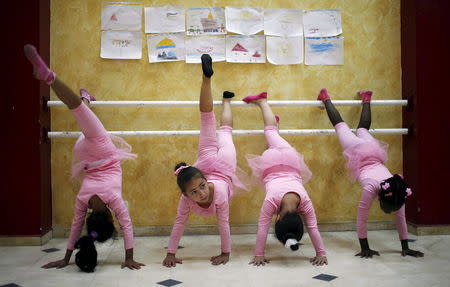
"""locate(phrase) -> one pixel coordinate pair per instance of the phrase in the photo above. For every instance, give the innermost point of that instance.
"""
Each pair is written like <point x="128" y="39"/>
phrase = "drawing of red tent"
<point x="238" y="48"/>
<point x="257" y="55"/>
<point x="113" y="17"/>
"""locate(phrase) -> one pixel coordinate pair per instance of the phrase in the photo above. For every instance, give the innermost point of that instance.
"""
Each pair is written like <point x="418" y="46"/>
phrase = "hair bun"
<point x="294" y="247"/>
<point x="180" y="164"/>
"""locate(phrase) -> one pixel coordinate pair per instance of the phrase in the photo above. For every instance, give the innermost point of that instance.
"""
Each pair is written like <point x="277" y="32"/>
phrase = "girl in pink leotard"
<point x="97" y="162"/>
<point x="283" y="172"/>
<point x="365" y="159"/>
<point x="207" y="185"/>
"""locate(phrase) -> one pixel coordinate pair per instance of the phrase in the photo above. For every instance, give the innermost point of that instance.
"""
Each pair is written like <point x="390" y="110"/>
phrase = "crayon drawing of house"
<point x="166" y="50"/>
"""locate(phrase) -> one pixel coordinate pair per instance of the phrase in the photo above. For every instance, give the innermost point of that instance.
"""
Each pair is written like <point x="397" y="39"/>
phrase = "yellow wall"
<point x="372" y="61"/>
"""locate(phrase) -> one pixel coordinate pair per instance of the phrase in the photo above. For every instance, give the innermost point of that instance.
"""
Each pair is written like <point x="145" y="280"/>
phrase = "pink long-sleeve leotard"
<point x="365" y="159"/>
<point x="217" y="161"/>
<point x="283" y="170"/>
<point x="98" y="159"/>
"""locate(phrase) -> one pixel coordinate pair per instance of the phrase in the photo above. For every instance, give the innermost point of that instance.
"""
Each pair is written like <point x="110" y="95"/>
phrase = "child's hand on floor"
<point x="367" y="253"/>
<point x="171" y="260"/>
<point x="220" y="259"/>
<point x="259" y="260"/>
<point x="56" y="264"/>
<point x="319" y="260"/>
<point x="412" y="253"/>
<point x="130" y="263"/>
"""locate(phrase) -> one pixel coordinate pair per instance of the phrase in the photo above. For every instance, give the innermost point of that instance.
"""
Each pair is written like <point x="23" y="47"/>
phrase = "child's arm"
<point x="223" y="211"/>
<point x="309" y="216"/>
<point x="400" y="221"/>
<point x="265" y="219"/>
<point x="123" y="217"/>
<point x="369" y="194"/>
<point x="177" y="232"/>
<point x="75" y="232"/>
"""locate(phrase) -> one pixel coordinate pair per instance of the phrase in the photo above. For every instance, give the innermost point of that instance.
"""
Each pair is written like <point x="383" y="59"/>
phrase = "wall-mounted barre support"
<point x="233" y="103"/>
<point x="399" y="131"/>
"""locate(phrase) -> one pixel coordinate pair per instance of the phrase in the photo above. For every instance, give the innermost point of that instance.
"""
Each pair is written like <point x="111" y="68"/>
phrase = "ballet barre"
<point x="393" y="131"/>
<point x="233" y="103"/>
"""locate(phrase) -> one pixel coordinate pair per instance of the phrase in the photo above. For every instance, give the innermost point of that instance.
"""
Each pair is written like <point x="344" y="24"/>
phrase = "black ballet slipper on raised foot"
<point x="228" y="95"/>
<point x="207" y="65"/>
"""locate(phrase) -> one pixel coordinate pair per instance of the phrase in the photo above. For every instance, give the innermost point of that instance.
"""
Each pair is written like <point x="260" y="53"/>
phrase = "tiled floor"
<point x="21" y="265"/>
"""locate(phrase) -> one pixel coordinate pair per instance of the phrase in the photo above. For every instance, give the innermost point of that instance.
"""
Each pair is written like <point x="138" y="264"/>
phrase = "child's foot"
<point x="323" y="95"/>
<point x="259" y="96"/>
<point x="86" y="97"/>
<point x="228" y="95"/>
<point x="366" y="96"/>
<point x="207" y="65"/>
<point x="40" y="69"/>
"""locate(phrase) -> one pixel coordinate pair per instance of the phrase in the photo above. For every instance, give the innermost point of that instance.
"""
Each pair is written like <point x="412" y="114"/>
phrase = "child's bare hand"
<point x="220" y="259"/>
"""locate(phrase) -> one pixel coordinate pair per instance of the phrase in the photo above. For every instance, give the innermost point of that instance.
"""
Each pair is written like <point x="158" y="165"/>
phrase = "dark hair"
<point x="186" y="175"/>
<point x="100" y="228"/>
<point x="392" y="194"/>
<point x="290" y="226"/>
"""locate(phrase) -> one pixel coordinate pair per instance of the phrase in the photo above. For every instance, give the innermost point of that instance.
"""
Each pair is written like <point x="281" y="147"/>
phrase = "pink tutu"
<point x="235" y="176"/>
<point x="363" y="154"/>
<point x="120" y="154"/>
<point x="278" y="157"/>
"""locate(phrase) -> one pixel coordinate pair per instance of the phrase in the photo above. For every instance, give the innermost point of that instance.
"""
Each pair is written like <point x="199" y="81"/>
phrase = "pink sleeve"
<point x="223" y="222"/>
<point x="77" y="224"/>
<point x="309" y="217"/>
<point x="265" y="219"/>
<point x="178" y="226"/>
<point x="400" y="221"/>
<point x="367" y="197"/>
<point x="123" y="217"/>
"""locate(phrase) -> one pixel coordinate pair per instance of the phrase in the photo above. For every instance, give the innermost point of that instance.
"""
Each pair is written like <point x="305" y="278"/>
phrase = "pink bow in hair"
<point x="385" y="185"/>
<point x="180" y="169"/>
<point x="408" y="192"/>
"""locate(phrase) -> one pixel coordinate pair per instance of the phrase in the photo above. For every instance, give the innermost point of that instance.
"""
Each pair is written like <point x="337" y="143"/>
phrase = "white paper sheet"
<point x="246" y="49"/>
<point x="164" y="19"/>
<point x="284" y="50"/>
<point x="324" y="51"/>
<point x="205" y="21"/>
<point x="283" y="22"/>
<point x="121" y="45"/>
<point x="322" y="23"/>
<point x="122" y="17"/>
<point x="244" y="20"/>
<point x="165" y="47"/>
<point x="212" y="45"/>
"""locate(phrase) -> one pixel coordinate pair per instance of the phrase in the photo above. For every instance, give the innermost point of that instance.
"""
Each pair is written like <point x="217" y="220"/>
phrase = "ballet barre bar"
<point x="400" y="131"/>
<point x="233" y="103"/>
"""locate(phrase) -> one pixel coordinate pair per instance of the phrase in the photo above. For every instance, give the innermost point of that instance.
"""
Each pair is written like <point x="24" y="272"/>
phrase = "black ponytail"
<point x="185" y="175"/>
<point x="100" y="228"/>
<point x="86" y="258"/>
<point x="290" y="226"/>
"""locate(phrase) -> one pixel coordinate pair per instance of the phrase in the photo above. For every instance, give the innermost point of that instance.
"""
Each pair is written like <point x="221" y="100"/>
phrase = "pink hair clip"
<point x="385" y="185"/>
<point x="401" y="175"/>
<point x="388" y="194"/>
<point x="180" y="169"/>
<point x="408" y="192"/>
